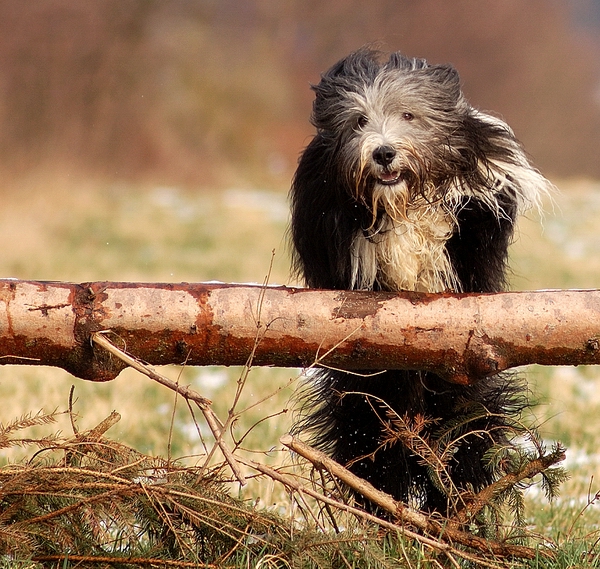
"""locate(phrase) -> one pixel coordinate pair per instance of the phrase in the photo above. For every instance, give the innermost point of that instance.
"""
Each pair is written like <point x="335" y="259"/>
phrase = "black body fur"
<point x="468" y="169"/>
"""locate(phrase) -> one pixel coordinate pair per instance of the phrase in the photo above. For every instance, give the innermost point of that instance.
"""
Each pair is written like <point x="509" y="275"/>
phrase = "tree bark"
<point x="462" y="337"/>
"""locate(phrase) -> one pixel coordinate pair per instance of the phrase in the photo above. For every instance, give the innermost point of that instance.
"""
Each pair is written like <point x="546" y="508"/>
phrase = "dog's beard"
<point x="404" y="246"/>
<point x="409" y="255"/>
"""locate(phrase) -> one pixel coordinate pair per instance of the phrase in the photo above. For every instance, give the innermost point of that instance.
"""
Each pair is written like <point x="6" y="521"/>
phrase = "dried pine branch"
<point x="530" y="469"/>
<point x="203" y="403"/>
<point x="24" y="422"/>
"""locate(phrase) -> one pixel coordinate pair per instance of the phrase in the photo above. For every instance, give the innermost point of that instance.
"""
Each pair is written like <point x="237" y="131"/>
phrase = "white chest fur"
<point x="406" y="254"/>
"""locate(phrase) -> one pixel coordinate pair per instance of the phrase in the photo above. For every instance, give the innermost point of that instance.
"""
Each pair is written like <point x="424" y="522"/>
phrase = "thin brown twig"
<point x="203" y="403"/>
<point x="121" y="560"/>
<point x="327" y="506"/>
<point x="94" y="435"/>
<point x="383" y="500"/>
<point x="453" y="561"/>
<point x="261" y="330"/>
<point x="184" y="390"/>
<point x="590" y="501"/>
<point x="296" y="486"/>
<point x="174" y="410"/>
<point x="71" y="414"/>
<point x="70" y="508"/>
<point x="232" y="414"/>
<point x="159" y="508"/>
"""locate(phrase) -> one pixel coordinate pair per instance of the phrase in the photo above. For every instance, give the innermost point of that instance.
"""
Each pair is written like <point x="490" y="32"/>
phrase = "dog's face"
<point x="392" y="124"/>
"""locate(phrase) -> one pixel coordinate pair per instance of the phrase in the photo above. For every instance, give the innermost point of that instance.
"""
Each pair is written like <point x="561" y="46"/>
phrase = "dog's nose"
<point x="384" y="155"/>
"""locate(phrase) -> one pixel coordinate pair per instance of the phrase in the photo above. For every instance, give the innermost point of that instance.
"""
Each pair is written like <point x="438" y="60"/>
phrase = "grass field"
<point x="56" y="228"/>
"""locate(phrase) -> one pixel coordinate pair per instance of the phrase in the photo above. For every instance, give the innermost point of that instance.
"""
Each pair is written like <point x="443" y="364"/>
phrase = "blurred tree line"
<point x="216" y="92"/>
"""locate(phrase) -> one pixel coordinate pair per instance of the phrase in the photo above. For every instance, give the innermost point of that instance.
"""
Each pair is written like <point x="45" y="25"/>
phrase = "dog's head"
<point x="404" y="136"/>
<point x="392" y="123"/>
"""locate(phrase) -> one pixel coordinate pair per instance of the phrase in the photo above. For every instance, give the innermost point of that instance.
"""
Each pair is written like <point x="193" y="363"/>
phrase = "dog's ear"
<point x="324" y="220"/>
<point x="347" y="75"/>
<point x="446" y="78"/>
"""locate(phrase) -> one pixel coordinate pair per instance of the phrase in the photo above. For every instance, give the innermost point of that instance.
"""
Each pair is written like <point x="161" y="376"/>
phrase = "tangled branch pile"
<point x="92" y="502"/>
<point x="96" y="503"/>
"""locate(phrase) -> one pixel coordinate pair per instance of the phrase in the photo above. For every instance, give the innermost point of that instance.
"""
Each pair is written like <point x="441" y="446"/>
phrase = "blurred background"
<point x="155" y="140"/>
<point x="215" y="92"/>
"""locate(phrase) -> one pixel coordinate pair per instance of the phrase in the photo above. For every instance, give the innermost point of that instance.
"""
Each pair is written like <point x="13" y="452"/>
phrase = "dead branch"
<point x="117" y="560"/>
<point x="462" y="337"/>
<point x="292" y="483"/>
<point x="445" y="530"/>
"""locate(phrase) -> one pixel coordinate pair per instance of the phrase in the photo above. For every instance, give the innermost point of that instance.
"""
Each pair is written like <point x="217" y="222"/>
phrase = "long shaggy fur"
<point x="405" y="186"/>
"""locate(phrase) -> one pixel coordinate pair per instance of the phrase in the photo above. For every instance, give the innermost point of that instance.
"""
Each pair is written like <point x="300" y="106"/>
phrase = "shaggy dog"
<point x="406" y="187"/>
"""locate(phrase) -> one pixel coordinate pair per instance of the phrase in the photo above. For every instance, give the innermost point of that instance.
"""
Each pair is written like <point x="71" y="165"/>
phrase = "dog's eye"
<point x="361" y="121"/>
<point x="408" y="116"/>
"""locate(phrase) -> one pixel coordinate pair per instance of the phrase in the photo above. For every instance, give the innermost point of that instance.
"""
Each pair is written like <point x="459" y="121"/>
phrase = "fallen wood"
<point x="445" y="530"/>
<point x="463" y="337"/>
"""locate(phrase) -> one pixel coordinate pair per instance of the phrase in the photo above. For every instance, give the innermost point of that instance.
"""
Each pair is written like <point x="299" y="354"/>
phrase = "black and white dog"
<point x="406" y="187"/>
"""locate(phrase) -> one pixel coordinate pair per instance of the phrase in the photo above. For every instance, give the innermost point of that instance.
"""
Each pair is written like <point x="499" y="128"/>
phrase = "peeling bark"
<point x="462" y="337"/>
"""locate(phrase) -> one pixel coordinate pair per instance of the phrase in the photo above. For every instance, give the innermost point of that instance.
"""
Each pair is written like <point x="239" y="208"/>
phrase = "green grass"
<point x="60" y="229"/>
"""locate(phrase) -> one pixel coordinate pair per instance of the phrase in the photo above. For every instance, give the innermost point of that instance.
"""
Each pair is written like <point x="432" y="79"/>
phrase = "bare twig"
<point x="95" y="434"/>
<point x="293" y="484"/>
<point x="114" y="560"/>
<point x="591" y="500"/>
<point x="383" y="500"/>
<point x="185" y="391"/>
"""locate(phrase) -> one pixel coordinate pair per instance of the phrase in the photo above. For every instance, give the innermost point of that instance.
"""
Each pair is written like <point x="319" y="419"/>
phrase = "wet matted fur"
<point x="405" y="186"/>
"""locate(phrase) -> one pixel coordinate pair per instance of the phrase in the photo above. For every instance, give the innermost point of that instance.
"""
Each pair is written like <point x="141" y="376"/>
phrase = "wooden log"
<point x="462" y="337"/>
